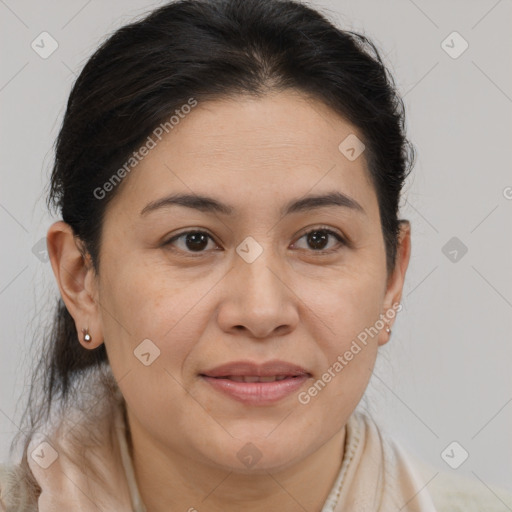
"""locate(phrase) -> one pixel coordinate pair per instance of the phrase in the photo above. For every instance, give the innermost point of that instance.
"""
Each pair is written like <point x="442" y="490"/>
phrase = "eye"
<point x="318" y="239"/>
<point x="196" y="241"/>
<point x="191" y="241"/>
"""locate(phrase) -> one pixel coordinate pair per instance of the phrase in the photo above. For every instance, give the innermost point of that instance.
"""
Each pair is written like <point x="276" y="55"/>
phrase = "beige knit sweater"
<point x="449" y="491"/>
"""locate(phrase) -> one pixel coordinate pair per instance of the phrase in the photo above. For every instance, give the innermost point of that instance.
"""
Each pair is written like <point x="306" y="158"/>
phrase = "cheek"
<point x="343" y="315"/>
<point x="342" y="306"/>
<point x="153" y="324"/>
<point x="151" y="303"/>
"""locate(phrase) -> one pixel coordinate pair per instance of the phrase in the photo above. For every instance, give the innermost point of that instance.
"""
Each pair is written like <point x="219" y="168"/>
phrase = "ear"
<point x="396" y="280"/>
<point x="76" y="280"/>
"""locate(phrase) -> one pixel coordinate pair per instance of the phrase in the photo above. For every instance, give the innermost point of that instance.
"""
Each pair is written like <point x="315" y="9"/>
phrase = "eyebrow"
<point x="211" y="205"/>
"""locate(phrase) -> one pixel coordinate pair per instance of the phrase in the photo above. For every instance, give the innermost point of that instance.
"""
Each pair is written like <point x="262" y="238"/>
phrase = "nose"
<point x="256" y="300"/>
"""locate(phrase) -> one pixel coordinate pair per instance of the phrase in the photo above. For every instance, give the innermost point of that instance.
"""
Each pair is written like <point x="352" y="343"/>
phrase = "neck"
<point x="170" y="481"/>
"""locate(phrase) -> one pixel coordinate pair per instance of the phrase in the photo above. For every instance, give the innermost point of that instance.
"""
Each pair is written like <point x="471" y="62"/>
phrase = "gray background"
<point x="445" y="375"/>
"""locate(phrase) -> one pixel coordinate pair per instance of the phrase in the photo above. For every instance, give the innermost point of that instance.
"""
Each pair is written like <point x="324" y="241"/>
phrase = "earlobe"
<point x="396" y="280"/>
<point x="72" y="272"/>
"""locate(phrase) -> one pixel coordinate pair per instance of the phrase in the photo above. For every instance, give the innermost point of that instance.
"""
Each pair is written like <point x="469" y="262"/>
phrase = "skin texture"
<point x="203" y="309"/>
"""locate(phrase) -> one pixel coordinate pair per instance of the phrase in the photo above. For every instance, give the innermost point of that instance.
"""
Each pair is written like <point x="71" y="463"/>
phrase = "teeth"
<point x="255" y="378"/>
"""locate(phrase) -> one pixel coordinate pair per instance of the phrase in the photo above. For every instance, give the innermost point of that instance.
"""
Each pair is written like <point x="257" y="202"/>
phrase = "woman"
<point x="229" y="260"/>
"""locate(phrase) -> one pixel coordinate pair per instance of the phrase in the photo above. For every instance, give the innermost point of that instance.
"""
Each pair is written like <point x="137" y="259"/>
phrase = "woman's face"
<point x="251" y="286"/>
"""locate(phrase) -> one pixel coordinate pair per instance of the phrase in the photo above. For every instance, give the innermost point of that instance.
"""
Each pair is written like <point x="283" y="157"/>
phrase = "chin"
<point x="259" y="453"/>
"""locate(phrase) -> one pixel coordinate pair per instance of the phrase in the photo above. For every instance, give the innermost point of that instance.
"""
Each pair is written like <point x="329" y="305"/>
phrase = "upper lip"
<point x="249" y="368"/>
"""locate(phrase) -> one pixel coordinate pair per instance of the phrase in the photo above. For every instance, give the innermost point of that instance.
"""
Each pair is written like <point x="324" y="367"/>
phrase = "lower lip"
<point x="257" y="393"/>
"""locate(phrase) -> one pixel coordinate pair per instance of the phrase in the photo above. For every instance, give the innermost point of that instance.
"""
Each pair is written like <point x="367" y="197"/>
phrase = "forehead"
<point x="252" y="151"/>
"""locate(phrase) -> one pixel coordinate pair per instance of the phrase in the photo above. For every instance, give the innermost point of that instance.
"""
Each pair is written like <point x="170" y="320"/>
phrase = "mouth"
<point x="250" y="369"/>
<point x="255" y="384"/>
<point x="255" y="378"/>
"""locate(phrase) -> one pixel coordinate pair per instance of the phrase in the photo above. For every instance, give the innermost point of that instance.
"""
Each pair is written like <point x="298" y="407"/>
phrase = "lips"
<point x="252" y="372"/>
<point x="254" y="384"/>
<point x="254" y="378"/>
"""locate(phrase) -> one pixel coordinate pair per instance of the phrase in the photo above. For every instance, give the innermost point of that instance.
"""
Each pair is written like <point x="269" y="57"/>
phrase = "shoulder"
<point x="453" y="492"/>
<point x="15" y="495"/>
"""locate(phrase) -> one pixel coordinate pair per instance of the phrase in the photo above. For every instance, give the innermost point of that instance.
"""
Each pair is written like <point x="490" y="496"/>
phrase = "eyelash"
<point x="324" y="229"/>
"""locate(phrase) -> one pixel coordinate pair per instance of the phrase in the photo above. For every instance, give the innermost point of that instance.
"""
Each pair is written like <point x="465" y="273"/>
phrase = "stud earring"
<point x="388" y="330"/>
<point x="87" y="336"/>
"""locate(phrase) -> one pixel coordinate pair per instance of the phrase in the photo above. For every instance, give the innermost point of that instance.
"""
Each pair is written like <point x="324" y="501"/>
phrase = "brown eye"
<point x="318" y="240"/>
<point x="191" y="241"/>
